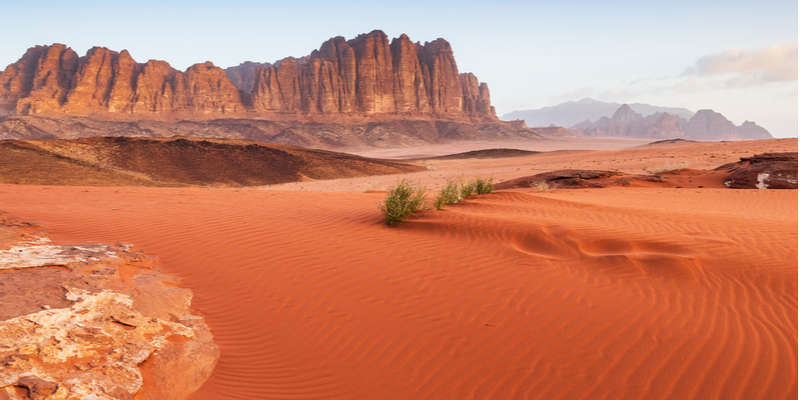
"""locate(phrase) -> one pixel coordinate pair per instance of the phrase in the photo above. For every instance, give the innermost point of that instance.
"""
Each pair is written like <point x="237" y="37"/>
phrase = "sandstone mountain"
<point x="367" y="91"/>
<point x="703" y="125"/>
<point x="366" y="75"/>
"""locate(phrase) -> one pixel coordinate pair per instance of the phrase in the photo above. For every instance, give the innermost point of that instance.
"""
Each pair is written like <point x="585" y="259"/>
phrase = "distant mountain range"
<point x="594" y="118"/>
<point x="574" y="112"/>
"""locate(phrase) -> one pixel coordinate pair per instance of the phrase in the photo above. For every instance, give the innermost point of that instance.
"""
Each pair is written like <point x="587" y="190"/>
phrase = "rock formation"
<point x="85" y="321"/>
<point x="704" y="125"/>
<point x="367" y="75"/>
<point x="763" y="171"/>
<point x="53" y="80"/>
<point x="577" y="179"/>
<point x="244" y="75"/>
<point x="366" y="91"/>
<point x="545" y="131"/>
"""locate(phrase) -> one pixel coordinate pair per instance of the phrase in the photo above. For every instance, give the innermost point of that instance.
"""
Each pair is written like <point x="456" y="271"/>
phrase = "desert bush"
<point x="403" y="199"/>
<point x="667" y="168"/>
<point x="541" y="186"/>
<point x="459" y="189"/>
<point x="448" y="195"/>
<point x="484" y="186"/>
<point x="467" y="188"/>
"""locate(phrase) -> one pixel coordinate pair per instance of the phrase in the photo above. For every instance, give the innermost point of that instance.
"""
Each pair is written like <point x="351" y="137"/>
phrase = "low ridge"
<point x="123" y="161"/>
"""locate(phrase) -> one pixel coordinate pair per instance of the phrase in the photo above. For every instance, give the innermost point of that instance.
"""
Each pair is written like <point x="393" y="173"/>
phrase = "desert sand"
<point x="614" y="293"/>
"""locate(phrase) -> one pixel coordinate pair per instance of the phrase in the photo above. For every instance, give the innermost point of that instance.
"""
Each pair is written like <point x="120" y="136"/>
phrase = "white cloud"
<point x="744" y="68"/>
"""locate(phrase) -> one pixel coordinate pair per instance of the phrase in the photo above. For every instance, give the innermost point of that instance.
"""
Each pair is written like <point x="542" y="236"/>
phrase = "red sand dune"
<point x="615" y="293"/>
<point x="583" y="294"/>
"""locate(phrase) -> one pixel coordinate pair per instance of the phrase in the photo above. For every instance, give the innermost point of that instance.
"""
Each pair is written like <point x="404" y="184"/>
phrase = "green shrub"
<point x="667" y="168"/>
<point x="541" y="186"/>
<point x="403" y="199"/>
<point x="467" y="188"/>
<point x="484" y="186"/>
<point x="448" y="195"/>
<point x="459" y="189"/>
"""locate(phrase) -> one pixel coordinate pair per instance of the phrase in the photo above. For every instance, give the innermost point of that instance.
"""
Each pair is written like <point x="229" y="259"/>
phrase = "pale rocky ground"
<point x="94" y="322"/>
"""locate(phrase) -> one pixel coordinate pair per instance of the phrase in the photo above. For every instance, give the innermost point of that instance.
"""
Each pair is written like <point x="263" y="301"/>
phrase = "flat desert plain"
<point x="613" y="293"/>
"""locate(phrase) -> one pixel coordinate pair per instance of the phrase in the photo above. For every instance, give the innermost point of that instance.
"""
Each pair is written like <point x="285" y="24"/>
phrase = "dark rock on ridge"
<point x="487" y="153"/>
<point x="320" y="134"/>
<point x="576" y="179"/>
<point x="763" y="171"/>
<point x="124" y="161"/>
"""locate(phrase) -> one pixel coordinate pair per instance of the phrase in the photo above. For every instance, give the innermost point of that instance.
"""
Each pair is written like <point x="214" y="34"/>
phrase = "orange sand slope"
<point x="619" y="293"/>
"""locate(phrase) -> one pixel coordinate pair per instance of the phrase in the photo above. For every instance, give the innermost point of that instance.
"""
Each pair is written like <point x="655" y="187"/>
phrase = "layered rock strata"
<point x="91" y="321"/>
<point x="367" y="75"/>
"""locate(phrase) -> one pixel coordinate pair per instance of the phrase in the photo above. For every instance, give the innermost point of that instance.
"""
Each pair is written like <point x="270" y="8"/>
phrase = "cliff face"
<point x="367" y="75"/>
<point x="54" y="80"/>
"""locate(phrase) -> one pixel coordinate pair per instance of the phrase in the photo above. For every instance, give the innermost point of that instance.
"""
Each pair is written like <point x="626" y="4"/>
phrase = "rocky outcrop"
<point x="89" y="321"/>
<point x="763" y="171"/>
<point x="364" y="76"/>
<point x="704" y="125"/>
<point x="576" y="179"/>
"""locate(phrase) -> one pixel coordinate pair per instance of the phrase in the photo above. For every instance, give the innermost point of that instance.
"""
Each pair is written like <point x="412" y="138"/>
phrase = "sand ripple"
<point x="606" y="294"/>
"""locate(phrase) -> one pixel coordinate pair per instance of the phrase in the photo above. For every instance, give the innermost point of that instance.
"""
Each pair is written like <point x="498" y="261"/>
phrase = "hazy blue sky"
<point x="736" y="57"/>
